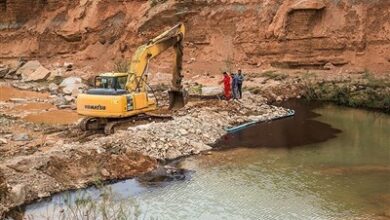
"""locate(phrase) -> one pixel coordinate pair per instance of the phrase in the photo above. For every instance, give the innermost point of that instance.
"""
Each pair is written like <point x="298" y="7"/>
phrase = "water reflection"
<point x="302" y="129"/>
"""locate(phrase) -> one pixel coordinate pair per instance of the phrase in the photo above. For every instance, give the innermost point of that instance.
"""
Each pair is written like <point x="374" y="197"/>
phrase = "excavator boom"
<point x="137" y="81"/>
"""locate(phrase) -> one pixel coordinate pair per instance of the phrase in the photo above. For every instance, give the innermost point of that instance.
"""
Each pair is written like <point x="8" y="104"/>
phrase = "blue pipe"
<point x="248" y="124"/>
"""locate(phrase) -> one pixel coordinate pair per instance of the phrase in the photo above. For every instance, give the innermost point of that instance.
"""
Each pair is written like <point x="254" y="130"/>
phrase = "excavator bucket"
<point x="177" y="99"/>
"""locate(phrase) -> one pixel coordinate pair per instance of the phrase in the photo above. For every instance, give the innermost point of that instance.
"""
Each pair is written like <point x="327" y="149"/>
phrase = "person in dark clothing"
<point x="240" y="80"/>
<point x="234" y="85"/>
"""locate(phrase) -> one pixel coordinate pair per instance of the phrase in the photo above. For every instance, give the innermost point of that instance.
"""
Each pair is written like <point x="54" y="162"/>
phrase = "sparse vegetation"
<point x="83" y="206"/>
<point x="274" y="75"/>
<point x="373" y="94"/>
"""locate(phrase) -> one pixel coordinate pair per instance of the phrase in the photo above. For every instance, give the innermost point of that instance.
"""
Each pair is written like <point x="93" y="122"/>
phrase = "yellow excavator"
<point x="119" y="97"/>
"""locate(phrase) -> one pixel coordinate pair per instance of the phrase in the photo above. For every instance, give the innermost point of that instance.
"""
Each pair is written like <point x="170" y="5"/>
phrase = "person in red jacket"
<point x="226" y="84"/>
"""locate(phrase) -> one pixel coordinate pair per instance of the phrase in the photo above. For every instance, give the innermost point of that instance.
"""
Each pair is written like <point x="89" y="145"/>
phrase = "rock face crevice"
<point x="252" y="34"/>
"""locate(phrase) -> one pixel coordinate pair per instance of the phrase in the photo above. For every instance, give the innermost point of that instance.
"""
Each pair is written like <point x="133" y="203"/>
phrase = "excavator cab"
<point x="109" y="84"/>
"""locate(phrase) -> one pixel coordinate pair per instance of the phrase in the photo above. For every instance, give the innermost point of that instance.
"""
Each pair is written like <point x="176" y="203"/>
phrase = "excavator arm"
<point x="137" y="80"/>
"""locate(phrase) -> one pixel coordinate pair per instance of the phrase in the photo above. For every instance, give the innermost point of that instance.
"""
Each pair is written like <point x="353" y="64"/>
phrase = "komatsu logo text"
<point x="95" y="107"/>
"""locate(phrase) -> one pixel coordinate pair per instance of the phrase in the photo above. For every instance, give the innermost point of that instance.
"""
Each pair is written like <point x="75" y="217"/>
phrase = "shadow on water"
<point x="302" y="129"/>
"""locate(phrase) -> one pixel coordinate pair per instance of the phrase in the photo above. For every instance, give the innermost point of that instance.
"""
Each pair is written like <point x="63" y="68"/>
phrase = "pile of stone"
<point x="32" y="75"/>
<point x="192" y="132"/>
<point x="31" y="71"/>
<point x="65" y="94"/>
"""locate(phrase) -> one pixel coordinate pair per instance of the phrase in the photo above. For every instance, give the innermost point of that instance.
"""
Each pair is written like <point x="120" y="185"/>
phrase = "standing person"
<point x="226" y="85"/>
<point x="240" y="80"/>
<point x="234" y="85"/>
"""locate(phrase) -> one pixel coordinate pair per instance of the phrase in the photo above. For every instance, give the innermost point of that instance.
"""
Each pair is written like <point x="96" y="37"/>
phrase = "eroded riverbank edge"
<point x="127" y="153"/>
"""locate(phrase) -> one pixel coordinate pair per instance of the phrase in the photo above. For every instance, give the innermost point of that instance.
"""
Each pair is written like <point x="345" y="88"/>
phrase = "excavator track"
<point x="91" y="123"/>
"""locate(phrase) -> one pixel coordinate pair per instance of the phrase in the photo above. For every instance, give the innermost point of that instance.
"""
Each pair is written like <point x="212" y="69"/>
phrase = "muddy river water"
<point x="325" y="163"/>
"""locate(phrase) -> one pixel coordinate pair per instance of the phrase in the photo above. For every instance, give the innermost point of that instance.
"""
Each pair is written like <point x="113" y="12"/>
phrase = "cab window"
<point x="122" y="82"/>
<point x="105" y="82"/>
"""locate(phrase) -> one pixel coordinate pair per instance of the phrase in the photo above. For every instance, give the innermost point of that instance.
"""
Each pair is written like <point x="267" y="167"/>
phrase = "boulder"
<point x="212" y="90"/>
<point x="70" y="84"/>
<point x="104" y="172"/>
<point x="56" y="75"/>
<point x="75" y="92"/>
<point x="173" y="154"/>
<point x="58" y="101"/>
<point x="18" y="194"/>
<point x="3" y="141"/>
<point x="33" y="71"/>
<point x="68" y="66"/>
<point x="22" y="85"/>
<point x="68" y="98"/>
<point x="329" y="66"/>
<point x="53" y="88"/>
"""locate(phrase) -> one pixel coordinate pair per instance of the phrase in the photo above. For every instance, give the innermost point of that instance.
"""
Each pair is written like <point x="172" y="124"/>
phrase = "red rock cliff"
<point x="251" y="33"/>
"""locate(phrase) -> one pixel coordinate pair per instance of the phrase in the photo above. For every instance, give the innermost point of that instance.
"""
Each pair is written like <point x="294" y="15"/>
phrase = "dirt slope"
<point x="221" y="34"/>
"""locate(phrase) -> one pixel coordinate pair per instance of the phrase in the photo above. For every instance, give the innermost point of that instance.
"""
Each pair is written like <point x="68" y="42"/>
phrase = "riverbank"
<point x="360" y="89"/>
<point x="70" y="163"/>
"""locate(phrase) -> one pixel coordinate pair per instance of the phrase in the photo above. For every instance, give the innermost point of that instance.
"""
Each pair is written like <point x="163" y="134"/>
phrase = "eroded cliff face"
<point x="220" y="34"/>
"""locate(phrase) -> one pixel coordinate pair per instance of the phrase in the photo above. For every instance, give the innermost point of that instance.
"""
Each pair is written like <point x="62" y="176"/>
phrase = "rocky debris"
<point x="66" y="107"/>
<point x="12" y="70"/>
<point x="33" y="71"/>
<point x="192" y="131"/>
<point x="56" y="75"/>
<point x="58" y="100"/>
<point x="68" y="66"/>
<point x="3" y="141"/>
<point x="21" y="137"/>
<point x="69" y="98"/>
<point x="329" y="66"/>
<point x="22" y="85"/>
<point x="3" y="71"/>
<point x="53" y="88"/>
<point x="18" y="194"/>
<point x="71" y="84"/>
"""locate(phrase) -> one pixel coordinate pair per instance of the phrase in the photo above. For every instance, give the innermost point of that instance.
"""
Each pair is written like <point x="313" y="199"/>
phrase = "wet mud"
<point x="56" y="117"/>
<point x="7" y="93"/>
<point x="299" y="130"/>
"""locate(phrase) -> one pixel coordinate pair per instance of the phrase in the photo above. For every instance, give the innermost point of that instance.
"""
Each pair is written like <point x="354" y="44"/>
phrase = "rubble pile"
<point x="32" y="75"/>
<point x="194" y="131"/>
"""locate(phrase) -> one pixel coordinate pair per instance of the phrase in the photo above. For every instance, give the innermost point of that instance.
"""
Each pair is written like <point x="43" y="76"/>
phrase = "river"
<point x="327" y="162"/>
